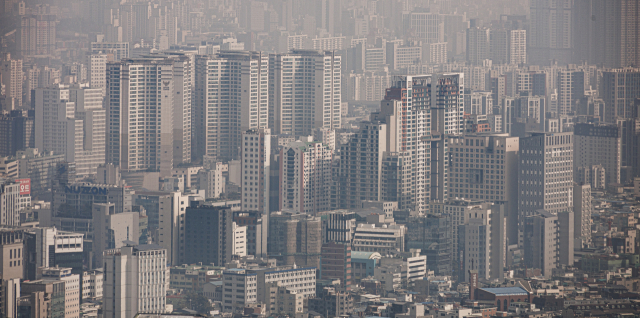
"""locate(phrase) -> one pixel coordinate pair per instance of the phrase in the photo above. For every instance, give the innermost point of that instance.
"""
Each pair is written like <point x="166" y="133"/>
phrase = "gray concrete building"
<point x="566" y="240"/>
<point x="582" y="209"/>
<point x="295" y="238"/>
<point x="485" y="167"/>
<point x="361" y="179"/>
<point x="208" y="234"/>
<point x="545" y="173"/>
<point x="541" y="242"/>
<point x="598" y="145"/>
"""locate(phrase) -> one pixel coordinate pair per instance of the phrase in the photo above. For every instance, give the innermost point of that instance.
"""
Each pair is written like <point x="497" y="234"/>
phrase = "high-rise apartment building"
<point x="426" y="26"/>
<point x="18" y="127"/>
<point x="425" y="110"/>
<point x="597" y="145"/>
<point x="212" y="228"/>
<point x="171" y="227"/>
<point x="135" y="280"/>
<point x="485" y="167"/>
<point x="70" y="120"/>
<point x="541" y="241"/>
<point x="571" y="85"/>
<point x="230" y="97"/>
<point x="360" y="165"/>
<point x="480" y="103"/>
<point x="305" y="177"/>
<point x="37" y="34"/>
<point x="183" y="82"/>
<point x="437" y="53"/>
<point x="517" y="47"/>
<point x="396" y="179"/>
<point x="10" y="203"/>
<point x="305" y="92"/>
<point x="507" y="46"/>
<point x="618" y="89"/>
<point x="479" y="46"/>
<point x="97" y="70"/>
<point x="145" y="107"/>
<point x="551" y="31"/>
<point x="255" y="164"/>
<point x="295" y="238"/>
<point x="582" y="209"/>
<point x="545" y="173"/>
<point x="606" y="32"/>
<point x="11" y="77"/>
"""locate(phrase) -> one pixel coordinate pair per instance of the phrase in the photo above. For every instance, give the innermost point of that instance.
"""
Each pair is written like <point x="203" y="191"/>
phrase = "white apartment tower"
<point x="10" y="203"/>
<point x="97" y="71"/>
<point x="431" y="106"/>
<point x="231" y="96"/>
<point x="305" y="177"/>
<point x="134" y="280"/>
<point x="305" y="92"/>
<point x="571" y="84"/>
<point x="70" y="120"/>
<point x="145" y="98"/>
<point x="255" y="165"/>
<point x="518" y="47"/>
<point x="11" y="75"/>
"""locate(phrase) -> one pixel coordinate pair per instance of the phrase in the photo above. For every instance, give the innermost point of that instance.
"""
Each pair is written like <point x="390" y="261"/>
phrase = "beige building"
<point x="72" y="293"/>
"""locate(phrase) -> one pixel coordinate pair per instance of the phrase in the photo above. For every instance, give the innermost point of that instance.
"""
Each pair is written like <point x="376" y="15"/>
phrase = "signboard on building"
<point x="25" y="186"/>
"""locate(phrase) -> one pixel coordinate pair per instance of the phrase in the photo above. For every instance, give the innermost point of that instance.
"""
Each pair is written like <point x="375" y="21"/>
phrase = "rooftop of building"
<point x="365" y="255"/>
<point x="149" y="247"/>
<point x="195" y="267"/>
<point x="506" y="291"/>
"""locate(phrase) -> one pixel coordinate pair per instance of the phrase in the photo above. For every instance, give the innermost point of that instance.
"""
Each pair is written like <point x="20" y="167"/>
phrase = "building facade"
<point x="135" y="280"/>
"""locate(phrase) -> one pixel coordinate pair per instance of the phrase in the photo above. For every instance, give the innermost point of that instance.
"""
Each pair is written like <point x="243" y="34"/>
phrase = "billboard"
<point x="25" y="186"/>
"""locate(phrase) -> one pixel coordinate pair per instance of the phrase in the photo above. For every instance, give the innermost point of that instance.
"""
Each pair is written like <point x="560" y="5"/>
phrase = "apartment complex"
<point x="304" y="92"/>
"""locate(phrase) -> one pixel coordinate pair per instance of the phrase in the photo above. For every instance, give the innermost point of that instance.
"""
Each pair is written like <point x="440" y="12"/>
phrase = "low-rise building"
<point x="92" y="285"/>
<point x="370" y="238"/>
<point x="193" y="277"/>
